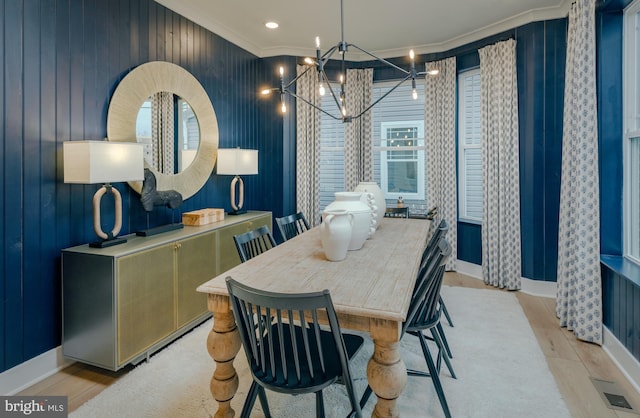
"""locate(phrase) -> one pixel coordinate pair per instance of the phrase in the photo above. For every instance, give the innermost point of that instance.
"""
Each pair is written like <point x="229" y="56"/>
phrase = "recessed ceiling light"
<point x="271" y="25"/>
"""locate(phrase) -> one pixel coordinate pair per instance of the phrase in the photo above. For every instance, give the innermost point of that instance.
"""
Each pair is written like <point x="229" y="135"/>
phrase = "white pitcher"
<point x="335" y="233"/>
<point x="362" y="216"/>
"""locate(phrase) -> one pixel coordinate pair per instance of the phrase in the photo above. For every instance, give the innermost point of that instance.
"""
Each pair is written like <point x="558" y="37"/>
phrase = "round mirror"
<point x="169" y="131"/>
<point x="135" y="89"/>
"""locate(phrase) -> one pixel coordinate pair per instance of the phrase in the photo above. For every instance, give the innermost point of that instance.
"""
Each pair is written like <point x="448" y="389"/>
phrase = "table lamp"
<point x="91" y="162"/>
<point x="236" y="162"/>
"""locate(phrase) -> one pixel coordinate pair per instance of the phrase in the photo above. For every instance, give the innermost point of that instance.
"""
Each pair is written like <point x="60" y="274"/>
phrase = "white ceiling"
<point x="387" y="28"/>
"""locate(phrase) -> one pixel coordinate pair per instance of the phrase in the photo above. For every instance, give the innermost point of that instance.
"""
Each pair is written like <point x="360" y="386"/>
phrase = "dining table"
<point x="370" y="289"/>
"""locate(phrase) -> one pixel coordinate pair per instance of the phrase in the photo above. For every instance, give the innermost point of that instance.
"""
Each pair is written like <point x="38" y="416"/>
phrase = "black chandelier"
<point x="340" y="98"/>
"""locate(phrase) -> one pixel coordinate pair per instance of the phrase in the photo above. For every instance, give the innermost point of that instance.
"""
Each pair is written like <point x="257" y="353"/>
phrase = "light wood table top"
<point x="371" y="289"/>
<point x="375" y="281"/>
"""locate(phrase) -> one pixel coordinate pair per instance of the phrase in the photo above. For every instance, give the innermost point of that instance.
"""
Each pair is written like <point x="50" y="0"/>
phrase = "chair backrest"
<point x="432" y="242"/>
<point x="253" y="243"/>
<point x="292" y="225"/>
<point x="281" y="336"/>
<point x="423" y="307"/>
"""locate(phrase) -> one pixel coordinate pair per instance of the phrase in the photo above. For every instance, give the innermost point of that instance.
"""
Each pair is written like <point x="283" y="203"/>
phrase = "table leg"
<point x="387" y="377"/>
<point x="223" y="343"/>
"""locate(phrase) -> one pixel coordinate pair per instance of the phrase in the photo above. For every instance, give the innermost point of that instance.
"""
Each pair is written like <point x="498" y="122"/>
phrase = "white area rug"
<point x="500" y="368"/>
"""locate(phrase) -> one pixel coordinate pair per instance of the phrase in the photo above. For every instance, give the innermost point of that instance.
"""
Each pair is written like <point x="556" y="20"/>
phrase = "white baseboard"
<point x="627" y="364"/>
<point x="32" y="371"/>
<point x="618" y="353"/>
<point x="529" y="286"/>
<point x="469" y="269"/>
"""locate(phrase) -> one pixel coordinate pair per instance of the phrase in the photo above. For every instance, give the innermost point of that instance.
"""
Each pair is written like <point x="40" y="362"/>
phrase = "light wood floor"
<point x="572" y="363"/>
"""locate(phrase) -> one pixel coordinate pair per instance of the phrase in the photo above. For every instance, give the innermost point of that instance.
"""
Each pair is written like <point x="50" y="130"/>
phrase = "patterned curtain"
<point x="358" y="144"/>
<point x="501" y="250"/>
<point x="579" y="297"/>
<point x="440" y="140"/>
<point x="308" y="146"/>
<point x="162" y="147"/>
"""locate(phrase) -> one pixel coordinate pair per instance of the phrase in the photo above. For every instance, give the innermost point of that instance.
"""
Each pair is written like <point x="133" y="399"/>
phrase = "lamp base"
<point x="159" y="230"/>
<point x="236" y="212"/>
<point x="107" y="243"/>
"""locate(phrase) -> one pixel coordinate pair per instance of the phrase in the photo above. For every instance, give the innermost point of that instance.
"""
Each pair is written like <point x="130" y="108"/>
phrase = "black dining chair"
<point x="440" y="232"/>
<point x="253" y="243"/>
<point x="292" y="225"/>
<point x="424" y="315"/>
<point x="292" y="353"/>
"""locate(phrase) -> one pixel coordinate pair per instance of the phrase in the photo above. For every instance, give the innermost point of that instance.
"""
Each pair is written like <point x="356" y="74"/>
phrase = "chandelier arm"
<point x="313" y="105"/>
<point x="382" y="97"/>
<point x="382" y="60"/>
<point x="286" y="88"/>
<point x="333" y="94"/>
<point x="327" y="55"/>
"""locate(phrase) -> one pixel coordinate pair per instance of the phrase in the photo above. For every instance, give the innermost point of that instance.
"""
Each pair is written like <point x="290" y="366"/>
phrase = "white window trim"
<point x="631" y="126"/>
<point x="462" y="147"/>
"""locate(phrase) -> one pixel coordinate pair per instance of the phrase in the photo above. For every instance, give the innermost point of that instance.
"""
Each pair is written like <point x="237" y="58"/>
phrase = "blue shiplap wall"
<point x="62" y="60"/>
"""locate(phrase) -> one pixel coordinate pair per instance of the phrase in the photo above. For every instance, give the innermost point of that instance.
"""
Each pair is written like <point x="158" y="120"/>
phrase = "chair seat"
<point x="310" y="380"/>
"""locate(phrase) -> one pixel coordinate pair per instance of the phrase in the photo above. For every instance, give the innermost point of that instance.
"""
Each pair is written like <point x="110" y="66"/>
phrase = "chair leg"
<point x="437" y="337"/>
<point x="251" y="399"/>
<point x="363" y="401"/>
<point x="434" y="377"/>
<point x="365" y="396"/>
<point x="446" y="312"/>
<point x="319" y="405"/>
<point x="355" y="404"/>
<point x="263" y="402"/>
<point x="444" y="340"/>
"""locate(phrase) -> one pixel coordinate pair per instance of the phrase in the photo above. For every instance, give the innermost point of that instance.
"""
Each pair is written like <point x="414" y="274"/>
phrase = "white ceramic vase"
<point x="370" y="201"/>
<point x="335" y="233"/>
<point x="379" y="200"/>
<point x="362" y="216"/>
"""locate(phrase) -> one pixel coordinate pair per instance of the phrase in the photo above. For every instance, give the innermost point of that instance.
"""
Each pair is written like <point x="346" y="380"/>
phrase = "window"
<point x="632" y="131"/>
<point x="397" y="122"/>
<point x="402" y="160"/>
<point x="469" y="147"/>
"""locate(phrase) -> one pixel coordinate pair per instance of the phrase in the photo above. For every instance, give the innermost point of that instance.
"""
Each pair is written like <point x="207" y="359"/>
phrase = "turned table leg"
<point x="387" y="376"/>
<point x="223" y="343"/>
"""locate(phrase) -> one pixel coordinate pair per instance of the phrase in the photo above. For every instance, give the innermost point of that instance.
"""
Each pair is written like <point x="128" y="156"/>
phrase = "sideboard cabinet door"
<point x="146" y="304"/>
<point x="195" y="259"/>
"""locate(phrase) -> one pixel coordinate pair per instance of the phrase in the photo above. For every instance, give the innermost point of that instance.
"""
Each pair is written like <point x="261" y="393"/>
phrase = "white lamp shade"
<point x="89" y="162"/>
<point x="236" y="161"/>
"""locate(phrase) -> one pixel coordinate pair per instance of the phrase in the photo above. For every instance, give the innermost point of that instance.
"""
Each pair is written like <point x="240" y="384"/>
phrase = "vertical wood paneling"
<point x="44" y="285"/>
<point x="621" y="308"/>
<point x="635" y="315"/>
<point x="555" y="56"/>
<point x="13" y="191"/>
<point x="32" y="300"/>
<point x="609" y="90"/>
<point x="61" y="62"/>
<point x="4" y="292"/>
<point x="532" y="77"/>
